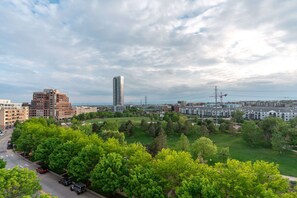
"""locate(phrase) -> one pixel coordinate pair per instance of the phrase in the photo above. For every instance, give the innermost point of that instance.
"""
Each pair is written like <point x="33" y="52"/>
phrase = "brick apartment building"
<point x="51" y="103"/>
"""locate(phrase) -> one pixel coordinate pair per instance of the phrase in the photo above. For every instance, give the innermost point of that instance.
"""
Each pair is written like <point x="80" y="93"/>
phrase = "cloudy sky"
<point x="168" y="50"/>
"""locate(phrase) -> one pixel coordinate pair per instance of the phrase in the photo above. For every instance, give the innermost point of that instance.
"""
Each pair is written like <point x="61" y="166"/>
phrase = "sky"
<point x="167" y="50"/>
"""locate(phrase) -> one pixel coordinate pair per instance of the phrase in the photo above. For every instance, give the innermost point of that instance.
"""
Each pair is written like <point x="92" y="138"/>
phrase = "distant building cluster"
<point x="44" y="104"/>
<point x="253" y="110"/>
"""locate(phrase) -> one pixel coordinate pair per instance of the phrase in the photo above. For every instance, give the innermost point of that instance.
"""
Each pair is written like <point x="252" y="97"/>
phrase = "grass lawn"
<point x="238" y="148"/>
<point x="241" y="151"/>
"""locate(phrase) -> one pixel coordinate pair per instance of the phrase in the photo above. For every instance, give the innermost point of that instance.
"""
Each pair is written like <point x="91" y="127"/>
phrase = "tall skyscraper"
<point x="51" y="103"/>
<point x="118" y="93"/>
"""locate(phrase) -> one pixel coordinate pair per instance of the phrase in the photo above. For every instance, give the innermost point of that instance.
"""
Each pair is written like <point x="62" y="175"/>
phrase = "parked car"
<point x="78" y="188"/>
<point x="1" y="133"/>
<point x="66" y="181"/>
<point x="9" y="146"/>
<point x="42" y="169"/>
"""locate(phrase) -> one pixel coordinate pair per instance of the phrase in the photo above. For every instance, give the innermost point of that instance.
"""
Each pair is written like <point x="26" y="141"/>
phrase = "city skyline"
<point x="168" y="51"/>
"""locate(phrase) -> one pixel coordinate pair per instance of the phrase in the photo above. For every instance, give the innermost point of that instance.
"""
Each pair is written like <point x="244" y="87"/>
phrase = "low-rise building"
<point x="250" y="113"/>
<point x="260" y="113"/>
<point x="11" y="112"/>
<point x="84" y="109"/>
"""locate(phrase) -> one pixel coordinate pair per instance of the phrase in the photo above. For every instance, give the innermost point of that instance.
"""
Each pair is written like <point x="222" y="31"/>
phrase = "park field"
<point x="238" y="148"/>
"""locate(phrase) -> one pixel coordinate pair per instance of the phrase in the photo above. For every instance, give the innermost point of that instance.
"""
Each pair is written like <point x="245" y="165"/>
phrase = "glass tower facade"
<point x="118" y="91"/>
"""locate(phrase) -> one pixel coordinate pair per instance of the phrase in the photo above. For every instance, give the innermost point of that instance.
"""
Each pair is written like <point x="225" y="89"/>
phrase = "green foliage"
<point x="169" y="127"/>
<point x="238" y="179"/>
<point x="183" y="143"/>
<point x="223" y="154"/>
<point x="278" y="142"/>
<point x="237" y="116"/>
<point x="251" y="133"/>
<point x="18" y="182"/>
<point x="128" y="128"/>
<point x="113" y="176"/>
<point x="61" y="156"/>
<point x="202" y="183"/>
<point x="44" y="149"/>
<point x="113" y="134"/>
<point x="95" y="128"/>
<point x="160" y="142"/>
<point x="144" y="124"/>
<point x="2" y="163"/>
<point x="269" y="126"/>
<point x="203" y="148"/>
<point x="80" y="166"/>
<point x="204" y="130"/>
<point x="173" y="167"/>
<point x="137" y="155"/>
<point x="173" y="116"/>
<point x="109" y="126"/>
<point x="142" y="182"/>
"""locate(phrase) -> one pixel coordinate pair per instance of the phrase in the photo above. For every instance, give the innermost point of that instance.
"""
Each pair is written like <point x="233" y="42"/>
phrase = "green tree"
<point x="173" y="167"/>
<point x="80" y="166"/>
<point x="144" y="124"/>
<point x="251" y="133"/>
<point x="95" y="128"/>
<point x="109" y="173"/>
<point x="203" y="148"/>
<point x="269" y="126"/>
<point x="113" y="134"/>
<point x="152" y="129"/>
<point x="200" y="185"/>
<point x="44" y="149"/>
<point x="183" y="143"/>
<point x="278" y="142"/>
<point x="169" y="127"/>
<point x="18" y="182"/>
<point x="237" y="116"/>
<point x="2" y="163"/>
<point x="160" y="142"/>
<point x="109" y="126"/>
<point x="142" y="182"/>
<point x="61" y="156"/>
<point x="204" y="130"/>
<point x="223" y="154"/>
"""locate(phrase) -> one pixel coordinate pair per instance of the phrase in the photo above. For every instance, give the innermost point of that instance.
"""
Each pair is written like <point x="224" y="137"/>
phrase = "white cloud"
<point x="168" y="50"/>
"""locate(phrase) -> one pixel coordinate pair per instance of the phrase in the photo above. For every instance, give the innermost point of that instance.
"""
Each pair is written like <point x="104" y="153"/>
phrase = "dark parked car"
<point x="66" y="181"/>
<point x="78" y="188"/>
<point x="42" y="169"/>
<point x="9" y="145"/>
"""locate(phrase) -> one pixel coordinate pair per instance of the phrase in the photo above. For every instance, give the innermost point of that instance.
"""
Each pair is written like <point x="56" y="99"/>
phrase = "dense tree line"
<point x="271" y="133"/>
<point x="110" y="165"/>
<point x="129" y="112"/>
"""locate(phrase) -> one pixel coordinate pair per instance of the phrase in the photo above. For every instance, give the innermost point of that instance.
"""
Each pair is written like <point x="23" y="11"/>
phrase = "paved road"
<point x="48" y="181"/>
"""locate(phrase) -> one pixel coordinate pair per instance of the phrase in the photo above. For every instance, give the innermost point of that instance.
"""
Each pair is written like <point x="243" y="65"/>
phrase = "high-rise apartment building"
<point x="118" y="93"/>
<point x="51" y="103"/>
<point x="11" y="112"/>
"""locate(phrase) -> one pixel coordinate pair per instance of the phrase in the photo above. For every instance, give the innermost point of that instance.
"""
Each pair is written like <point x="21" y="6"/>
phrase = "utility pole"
<point x="145" y="100"/>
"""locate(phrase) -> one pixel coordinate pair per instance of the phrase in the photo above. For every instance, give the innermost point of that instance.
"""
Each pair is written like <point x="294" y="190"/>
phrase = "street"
<point x="48" y="181"/>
